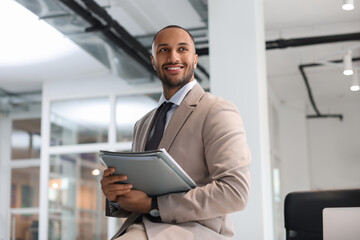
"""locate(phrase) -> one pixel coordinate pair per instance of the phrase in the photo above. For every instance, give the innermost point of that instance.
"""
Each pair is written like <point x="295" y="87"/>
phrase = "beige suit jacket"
<point x="207" y="138"/>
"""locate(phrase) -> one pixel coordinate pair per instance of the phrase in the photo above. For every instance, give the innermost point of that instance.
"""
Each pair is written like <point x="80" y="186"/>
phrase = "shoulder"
<point x="216" y="104"/>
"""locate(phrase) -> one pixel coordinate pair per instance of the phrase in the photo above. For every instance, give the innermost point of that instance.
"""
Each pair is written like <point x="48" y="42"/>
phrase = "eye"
<point x="163" y="50"/>
<point x="182" y="49"/>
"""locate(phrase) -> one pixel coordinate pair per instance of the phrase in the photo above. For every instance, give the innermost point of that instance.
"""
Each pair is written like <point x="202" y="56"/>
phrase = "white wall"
<point x="293" y="148"/>
<point x="334" y="148"/>
<point x="315" y="154"/>
<point x="318" y="153"/>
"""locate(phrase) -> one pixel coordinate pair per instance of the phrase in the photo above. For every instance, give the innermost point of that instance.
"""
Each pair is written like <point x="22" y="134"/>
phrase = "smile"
<point x="173" y="68"/>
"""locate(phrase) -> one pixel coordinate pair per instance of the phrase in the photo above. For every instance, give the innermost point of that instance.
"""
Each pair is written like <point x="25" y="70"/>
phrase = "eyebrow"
<point x="180" y="44"/>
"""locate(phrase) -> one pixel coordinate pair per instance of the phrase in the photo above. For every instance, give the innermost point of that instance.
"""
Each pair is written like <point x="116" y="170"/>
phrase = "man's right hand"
<point x="111" y="188"/>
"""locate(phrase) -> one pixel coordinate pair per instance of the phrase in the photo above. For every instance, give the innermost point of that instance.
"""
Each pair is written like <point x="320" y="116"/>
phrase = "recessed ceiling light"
<point x="348" y="5"/>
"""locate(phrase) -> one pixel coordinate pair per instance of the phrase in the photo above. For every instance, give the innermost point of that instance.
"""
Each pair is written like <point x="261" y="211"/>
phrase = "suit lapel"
<point x="180" y="116"/>
<point x="145" y="131"/>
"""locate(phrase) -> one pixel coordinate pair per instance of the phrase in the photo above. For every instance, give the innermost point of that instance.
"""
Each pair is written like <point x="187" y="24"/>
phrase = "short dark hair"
<point x="174" y="26"/>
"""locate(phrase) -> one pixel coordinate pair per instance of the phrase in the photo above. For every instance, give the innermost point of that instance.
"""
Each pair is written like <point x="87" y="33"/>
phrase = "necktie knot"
<point x="166" y="106"/>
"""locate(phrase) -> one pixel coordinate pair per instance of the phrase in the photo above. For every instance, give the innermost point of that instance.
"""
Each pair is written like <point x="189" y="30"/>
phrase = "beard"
<point x="179" y="82"/>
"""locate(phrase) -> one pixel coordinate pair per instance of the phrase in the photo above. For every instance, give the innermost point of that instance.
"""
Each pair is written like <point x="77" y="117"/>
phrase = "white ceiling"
<point x="283" y="19"/>
<point x="306" y="18"/>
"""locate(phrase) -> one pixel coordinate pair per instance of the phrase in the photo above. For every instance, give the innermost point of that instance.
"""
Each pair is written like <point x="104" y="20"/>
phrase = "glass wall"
<point x="129" y="109"/>
<point x="24" y="226"/>
<point x="24" y="190"/>
<point x="79" y="121"/>
<point x="79" y="128"/>
<point x="24" y="197"/>
<point x="25" y="187"/>
<point x="25" y="139"/>
<point x="76" y="203"/>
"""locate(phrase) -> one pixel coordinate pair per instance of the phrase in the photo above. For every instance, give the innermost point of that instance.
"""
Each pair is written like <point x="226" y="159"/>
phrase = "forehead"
<point x="173" y="36"/>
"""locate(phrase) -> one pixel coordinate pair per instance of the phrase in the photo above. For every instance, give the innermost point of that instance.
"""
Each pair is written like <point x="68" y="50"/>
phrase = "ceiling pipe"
<point x="120" y="31"/>
<point x="113" y="31"/>
<point x="308" y="88"/>
<point x="299" y="42"/>
<point x="118" y="37"/>
<point x="21" y="100"/>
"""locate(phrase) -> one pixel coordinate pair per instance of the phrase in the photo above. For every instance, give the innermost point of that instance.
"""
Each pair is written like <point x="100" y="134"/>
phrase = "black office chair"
<point x="303" y="211"/>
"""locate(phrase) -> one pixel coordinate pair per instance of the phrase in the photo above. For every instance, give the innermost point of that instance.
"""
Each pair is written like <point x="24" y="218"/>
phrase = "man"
<point x="205" y="135"/>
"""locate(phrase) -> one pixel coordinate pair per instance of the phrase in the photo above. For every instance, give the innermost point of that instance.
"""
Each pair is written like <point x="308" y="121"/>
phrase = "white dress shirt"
<point x="176" y="99"/>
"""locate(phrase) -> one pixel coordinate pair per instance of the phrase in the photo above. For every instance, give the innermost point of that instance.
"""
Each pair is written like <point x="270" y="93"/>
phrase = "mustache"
<point x="172" y="63"/>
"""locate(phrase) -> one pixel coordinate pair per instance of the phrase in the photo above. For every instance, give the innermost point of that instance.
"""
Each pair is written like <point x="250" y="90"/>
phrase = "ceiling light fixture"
<point x="348" y="69"/>
<point x="348" y="5"/>
<point x="95" y="172"/>
<point x="355" y="86"/>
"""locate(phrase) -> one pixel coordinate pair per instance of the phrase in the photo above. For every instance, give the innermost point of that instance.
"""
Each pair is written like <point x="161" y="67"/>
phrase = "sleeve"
<point x="228" y="159"/>
<point x="113" y="209"/>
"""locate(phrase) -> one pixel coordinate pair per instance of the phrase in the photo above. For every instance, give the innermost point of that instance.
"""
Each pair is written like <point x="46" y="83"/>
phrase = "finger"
<point x="114" y="179"/>
<point x="119" y="187"/>
<point x="111" y="188"/>
<point x="120" y="192"/>
<point x="114" y="190"/>
<point x="108" y="172"/>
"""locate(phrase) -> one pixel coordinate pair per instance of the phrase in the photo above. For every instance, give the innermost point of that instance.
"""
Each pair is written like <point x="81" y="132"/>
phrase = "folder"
<point x="153" y="172"/>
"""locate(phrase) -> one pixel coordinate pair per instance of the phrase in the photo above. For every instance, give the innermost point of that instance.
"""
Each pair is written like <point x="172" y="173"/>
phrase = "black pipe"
<point x="301" y="68"/>
<point x="121" y="32"/>
<point x="203" y="70"/>
<point x="298" y="42"/>
<point x="202" y="51"/>
<point x="340" y="116"/>
<point x="308" y="88"/>
<point x="106" y="29"/>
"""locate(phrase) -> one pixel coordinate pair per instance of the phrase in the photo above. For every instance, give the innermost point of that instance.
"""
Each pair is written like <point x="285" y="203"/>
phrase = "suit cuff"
<point x="116" y="205"/>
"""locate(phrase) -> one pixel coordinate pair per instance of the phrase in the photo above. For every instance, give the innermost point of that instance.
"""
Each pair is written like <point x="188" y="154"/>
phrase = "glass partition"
<point x="24" y="226"/>
<point x="24" y="187"/>
<point x="129" y="109"/>
<point x="25" y="139"/>
<point x="76" y="202"/>
<point x="79" y="121"/>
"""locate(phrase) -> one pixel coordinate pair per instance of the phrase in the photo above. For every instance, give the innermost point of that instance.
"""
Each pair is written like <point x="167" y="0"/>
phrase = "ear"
<point x="153" y="62"/>
<point x="195" y="60"/>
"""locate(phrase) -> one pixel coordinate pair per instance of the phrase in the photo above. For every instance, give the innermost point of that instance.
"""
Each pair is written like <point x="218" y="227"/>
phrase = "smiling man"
<point x="174" y="60"/>
<point x="204" y="134"/>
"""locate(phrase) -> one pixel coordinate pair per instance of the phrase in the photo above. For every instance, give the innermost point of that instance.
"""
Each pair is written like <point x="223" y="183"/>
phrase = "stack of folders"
<point x="153" y="172"/>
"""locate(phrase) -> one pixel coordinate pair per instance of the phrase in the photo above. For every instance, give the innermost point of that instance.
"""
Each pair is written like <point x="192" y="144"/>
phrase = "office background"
<point x="61" y="103"/>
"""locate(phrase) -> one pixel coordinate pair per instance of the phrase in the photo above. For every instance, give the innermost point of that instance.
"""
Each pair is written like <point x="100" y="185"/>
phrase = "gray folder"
<point x="153" y="172"/>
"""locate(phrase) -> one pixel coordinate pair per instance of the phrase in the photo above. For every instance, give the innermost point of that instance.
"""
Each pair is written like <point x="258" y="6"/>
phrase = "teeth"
<point x="173" y="68"/>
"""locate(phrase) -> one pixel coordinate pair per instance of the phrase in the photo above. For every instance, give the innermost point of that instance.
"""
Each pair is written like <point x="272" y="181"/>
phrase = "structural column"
<point x="5" y="176"/>
<point x="238" y="74"/>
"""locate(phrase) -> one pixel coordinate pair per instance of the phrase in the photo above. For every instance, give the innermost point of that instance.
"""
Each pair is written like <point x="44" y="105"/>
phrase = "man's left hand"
<point x="135" y="201"/>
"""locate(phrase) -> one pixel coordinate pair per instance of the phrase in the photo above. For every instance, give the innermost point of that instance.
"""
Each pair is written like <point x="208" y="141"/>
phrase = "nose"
<point x="173" y="56"/>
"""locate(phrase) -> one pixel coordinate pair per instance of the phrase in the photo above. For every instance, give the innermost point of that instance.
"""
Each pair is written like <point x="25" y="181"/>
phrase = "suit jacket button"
<point x="173" y="221"/>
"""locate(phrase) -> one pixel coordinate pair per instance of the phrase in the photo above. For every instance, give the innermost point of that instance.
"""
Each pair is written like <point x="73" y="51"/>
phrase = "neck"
<point x="170" y="91"/>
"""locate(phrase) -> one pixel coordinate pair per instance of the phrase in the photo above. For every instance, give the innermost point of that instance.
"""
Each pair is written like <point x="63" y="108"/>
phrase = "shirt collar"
<point x="179" y="96"/>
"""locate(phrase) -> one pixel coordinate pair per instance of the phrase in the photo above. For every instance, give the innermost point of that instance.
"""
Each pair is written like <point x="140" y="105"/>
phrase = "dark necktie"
<point x="159" y="126"/>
